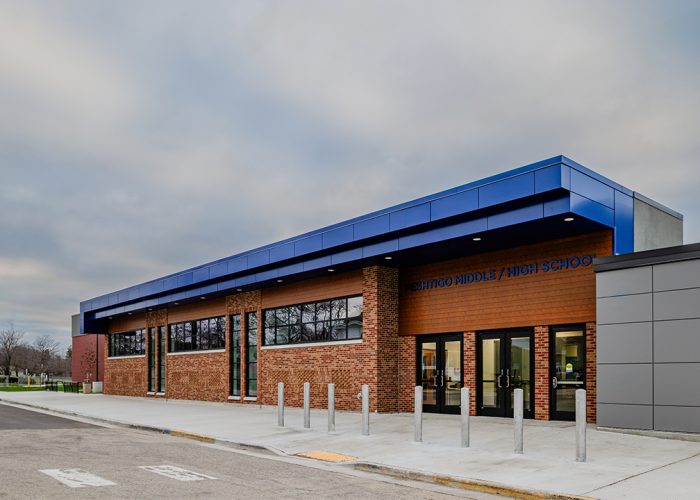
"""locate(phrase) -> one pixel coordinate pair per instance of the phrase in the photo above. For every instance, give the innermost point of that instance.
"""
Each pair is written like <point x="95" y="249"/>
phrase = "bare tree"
<point x="45" y="348"/>
<point x="10" y="341"/>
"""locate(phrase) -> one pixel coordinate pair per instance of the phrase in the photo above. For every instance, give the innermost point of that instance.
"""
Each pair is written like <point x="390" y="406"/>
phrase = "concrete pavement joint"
<point x="643" y="473"/>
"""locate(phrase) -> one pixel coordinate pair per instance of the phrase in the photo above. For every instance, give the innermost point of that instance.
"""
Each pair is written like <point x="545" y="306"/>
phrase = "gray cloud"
<point x="137" y="139"/>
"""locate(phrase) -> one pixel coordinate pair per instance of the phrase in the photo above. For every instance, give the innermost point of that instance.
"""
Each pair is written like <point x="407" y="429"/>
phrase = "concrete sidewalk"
<point x="618" y="466"/>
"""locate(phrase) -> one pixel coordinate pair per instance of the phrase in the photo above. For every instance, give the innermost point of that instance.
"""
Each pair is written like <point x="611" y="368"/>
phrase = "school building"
<point x="489" y="285"/>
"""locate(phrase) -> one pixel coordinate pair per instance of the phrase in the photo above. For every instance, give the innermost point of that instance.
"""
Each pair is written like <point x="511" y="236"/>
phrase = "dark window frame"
<point x="235" y="322"/>
<point x="251" y="345"/>
<point x="191" y="336"/>
<point x="131" y="343"/>
<point x="327" y="320"/>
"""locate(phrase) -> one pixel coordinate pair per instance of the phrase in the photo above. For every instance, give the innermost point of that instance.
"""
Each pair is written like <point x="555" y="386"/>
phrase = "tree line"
<point x="41" y="356"/>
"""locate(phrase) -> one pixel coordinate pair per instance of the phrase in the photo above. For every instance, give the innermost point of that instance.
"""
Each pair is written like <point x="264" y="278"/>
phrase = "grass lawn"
<point x="15" y="388"/>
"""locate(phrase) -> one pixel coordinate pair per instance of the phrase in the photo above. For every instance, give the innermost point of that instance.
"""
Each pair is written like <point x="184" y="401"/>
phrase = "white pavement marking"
<point x="176" y="472"/>
<point x="77" y="478"/>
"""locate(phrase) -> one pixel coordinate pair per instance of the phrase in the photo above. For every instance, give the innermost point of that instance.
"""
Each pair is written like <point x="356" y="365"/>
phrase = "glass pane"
<point x="269" y="318"/>
<point x="282" y="334"/>
<point x="453" y="372"/>
<point x="294" y="334"/>
<point x="520" y="368"/>
<point x="354" y="329"/>
<point x="338" y="330"/>
<point x="354" y="307"/>
<point x="490" y="370"/>
<point x="429" y="372"/>
<point x="294" y="315"/>
<point x="308" y="332"/>
<point x="339" y="309"/>
<point x="282" y="316"/>
<point x="323" y="311"/>
<point x="569" y="368"/>
<point x="270" y="335"/>
<point x="308" y="314"/>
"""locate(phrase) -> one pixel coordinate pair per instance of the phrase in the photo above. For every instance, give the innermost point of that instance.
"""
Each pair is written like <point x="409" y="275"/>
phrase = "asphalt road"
<point x="32" y="442"/>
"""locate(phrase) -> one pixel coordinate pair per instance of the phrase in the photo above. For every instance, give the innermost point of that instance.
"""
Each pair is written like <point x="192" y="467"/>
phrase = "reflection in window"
<point x="327" y="320"/>
<point x="127" y="343"/>
<point x="200" y="335"/>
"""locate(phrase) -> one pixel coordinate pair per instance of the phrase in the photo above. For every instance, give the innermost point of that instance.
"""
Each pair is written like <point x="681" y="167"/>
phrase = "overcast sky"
<point x="140" y="138"/>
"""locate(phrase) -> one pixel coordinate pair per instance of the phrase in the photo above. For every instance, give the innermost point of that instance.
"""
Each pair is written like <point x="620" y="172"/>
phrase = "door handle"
<point x="508" y="378"/>
<point x="554" y="382"/>
<point x="498" y="380"/>
<point x="442" y="378"/>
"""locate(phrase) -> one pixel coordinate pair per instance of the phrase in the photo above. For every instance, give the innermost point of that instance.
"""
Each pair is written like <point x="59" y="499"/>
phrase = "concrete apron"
<point x="547" y="465"/>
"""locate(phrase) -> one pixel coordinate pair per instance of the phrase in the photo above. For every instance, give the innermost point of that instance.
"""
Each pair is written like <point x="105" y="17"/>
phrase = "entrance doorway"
<point x="505" y="362"/>
<point x="439" y="372"/>
<point x="568" y="369"/>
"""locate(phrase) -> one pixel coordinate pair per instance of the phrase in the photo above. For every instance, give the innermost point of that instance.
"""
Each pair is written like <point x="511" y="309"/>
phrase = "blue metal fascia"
<point x="592" y="196"/>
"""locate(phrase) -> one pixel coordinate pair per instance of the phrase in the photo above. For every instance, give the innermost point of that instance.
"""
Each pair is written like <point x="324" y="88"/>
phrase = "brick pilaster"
<point x="542" y="391"/>
<point x="470" y="369"/>
<point x="591" y="378"/>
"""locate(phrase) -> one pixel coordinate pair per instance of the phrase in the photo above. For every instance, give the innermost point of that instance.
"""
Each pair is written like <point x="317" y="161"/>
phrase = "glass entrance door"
<point x="505" y="363"/>
<point x="439" y="367"/>
<point x="568" y="370"/>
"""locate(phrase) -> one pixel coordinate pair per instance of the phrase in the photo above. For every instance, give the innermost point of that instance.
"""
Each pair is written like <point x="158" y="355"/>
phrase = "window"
<point x="200" y="335"/>
<point x="251" y="354"/>
<point x="127" y="343"/>
<point x="236" y="355"/>
<point x="324" y="321"/>
<point x="152" y="359"/>
<point x="161" y="359"/>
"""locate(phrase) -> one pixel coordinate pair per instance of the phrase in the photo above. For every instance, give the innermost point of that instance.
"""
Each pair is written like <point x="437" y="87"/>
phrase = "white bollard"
<point x="464" y="410"/>
<point x="518" y="417"/>
<point x="365" y="410"/>
<point x="307" y="405"/>
<point x="418" y="415"/>
<point x="331" y="407"/>
<point x="280" y="404"/>
<point x="580" y="425"/>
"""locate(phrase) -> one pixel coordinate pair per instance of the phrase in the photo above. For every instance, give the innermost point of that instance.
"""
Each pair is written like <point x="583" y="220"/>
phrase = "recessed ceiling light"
<point x="150" y="308"/>
<point x="129" y="314"/>
<point x="568" y="219"/>
<point x="331" y="270"/>
<point x="202" y="297"/>
<point x="476" y="239"/>
<point x="239" y="289"/>
<point x="110" y="317"/>
<point x="280" y="281"/>
<point x="177" y="303"/>
<point x="388" y="257"/>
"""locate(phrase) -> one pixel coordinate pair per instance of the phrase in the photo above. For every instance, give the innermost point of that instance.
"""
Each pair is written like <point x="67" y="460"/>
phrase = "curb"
<point x="465" y="484"/>
<point x="385" y="470"/>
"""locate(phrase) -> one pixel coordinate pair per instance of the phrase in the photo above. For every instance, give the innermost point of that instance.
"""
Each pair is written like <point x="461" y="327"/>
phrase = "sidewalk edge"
<point x="386" y="470"/>
<point x="464" y="484"/>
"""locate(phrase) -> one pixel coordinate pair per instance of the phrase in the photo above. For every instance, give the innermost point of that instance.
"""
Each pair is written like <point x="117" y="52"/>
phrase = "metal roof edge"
<point x="658" y="205"/>
<point x="648" y="257"/>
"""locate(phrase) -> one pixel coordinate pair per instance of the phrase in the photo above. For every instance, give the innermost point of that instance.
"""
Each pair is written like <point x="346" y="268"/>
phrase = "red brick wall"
<point x="470" y="375"/>
<point x="542" y="387"/>
<point x="197" y="376"/>
<point x="84" y="347"/>
<point x="348" y="366"/>
<point x="126" y="376"/>
<point x="407" y="372"/>
<point x="591" y="375"/>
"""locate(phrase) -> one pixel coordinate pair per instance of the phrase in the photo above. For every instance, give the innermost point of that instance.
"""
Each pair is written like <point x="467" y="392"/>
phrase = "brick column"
<point x="380" y="328"/>
<point x="591" y="416"/>
<point x="470" y="369"/>
<point x="542" y="373"/>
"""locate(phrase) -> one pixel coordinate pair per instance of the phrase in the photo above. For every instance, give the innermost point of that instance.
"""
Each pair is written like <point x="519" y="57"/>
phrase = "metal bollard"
<point x="418" y="415"/>
<point x="331" y="407"/>
<point x="280" y="404"/>
<point x="518" y="417"/>
<point x="464" y="410"/>
<point x="580" y="425"/>
<point x="365" y="410"/>
<point x="307" y="405"/>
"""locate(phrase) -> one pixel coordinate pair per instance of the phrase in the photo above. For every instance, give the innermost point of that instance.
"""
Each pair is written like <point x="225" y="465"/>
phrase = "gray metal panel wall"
<point x="648" y="347"/>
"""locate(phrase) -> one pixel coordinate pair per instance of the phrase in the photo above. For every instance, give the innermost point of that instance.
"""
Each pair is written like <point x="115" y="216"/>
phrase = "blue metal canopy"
<point x="535" y="197"/>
